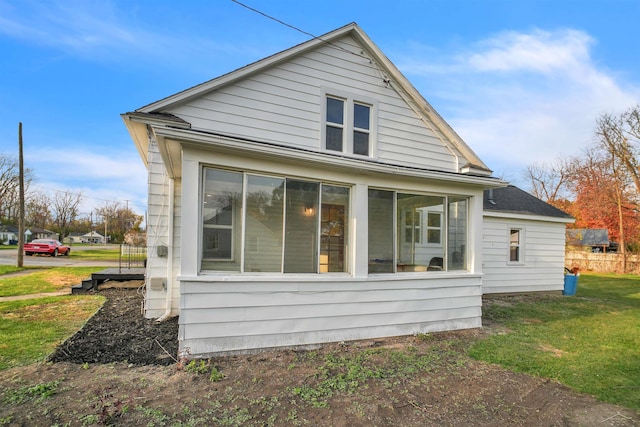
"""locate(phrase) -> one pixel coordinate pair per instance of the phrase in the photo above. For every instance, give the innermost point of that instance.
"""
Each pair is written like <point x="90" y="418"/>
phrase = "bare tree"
<point x="120" y="219"/>
<point x="9" y="187"/>
<point x="65" y="210"/>
<point x="620" y="136"/>
<point x="548" y="181"/>
<point x="37" y="210"/>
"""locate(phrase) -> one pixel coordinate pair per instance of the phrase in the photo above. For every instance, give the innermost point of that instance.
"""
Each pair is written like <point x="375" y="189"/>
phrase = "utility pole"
<point x="21" y="229"/>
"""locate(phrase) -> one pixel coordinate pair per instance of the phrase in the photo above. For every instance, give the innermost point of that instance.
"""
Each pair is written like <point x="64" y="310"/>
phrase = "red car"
<point x="46" y="246"/>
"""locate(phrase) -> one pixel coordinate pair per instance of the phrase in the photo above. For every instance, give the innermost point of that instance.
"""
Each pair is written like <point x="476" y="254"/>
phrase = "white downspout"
<point x="169" y="296"/>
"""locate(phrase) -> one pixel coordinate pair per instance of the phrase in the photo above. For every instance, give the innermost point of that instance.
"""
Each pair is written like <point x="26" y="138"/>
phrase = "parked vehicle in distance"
<point x="46" y="246"/>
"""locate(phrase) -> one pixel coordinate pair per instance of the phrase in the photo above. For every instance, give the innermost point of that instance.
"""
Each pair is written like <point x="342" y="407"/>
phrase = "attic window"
<point x="348" y="125"/>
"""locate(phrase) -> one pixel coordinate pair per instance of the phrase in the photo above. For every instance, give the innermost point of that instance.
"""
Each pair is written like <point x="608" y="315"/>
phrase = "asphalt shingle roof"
<point x="514" y="200"/>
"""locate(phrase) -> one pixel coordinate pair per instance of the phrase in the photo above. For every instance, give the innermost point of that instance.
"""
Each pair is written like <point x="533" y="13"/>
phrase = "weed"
<point x="196" y="367"/>
<point x="157" y="417"/>
<point x="37" y="392"/>
<point x="216" y="375"/>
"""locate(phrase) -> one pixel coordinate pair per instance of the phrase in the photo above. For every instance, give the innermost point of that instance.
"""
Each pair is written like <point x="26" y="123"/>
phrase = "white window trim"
<point x="521" y="245"/>
<point x="348" y="126"/>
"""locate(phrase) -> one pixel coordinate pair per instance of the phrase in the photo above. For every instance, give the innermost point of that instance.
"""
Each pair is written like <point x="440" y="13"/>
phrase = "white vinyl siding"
<point x="542" y="269"/>
<point x="283" y="105"/>
<point x="221" y="317"/>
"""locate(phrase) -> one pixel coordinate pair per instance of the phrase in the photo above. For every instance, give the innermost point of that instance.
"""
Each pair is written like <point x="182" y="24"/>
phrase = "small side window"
<point x="515" y="245"/>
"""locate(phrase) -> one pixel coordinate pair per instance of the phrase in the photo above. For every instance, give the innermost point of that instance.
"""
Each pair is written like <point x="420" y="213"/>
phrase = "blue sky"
<point x="520" y="81"/>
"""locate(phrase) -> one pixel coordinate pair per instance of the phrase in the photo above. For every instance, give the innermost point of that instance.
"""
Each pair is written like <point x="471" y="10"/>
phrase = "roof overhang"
<point x="171" y="142"/>
<point x="527" y="217"/>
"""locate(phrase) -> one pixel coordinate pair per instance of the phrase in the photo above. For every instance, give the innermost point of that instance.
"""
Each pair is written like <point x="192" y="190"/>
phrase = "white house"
<point x="523" y="243"/>
<point x="312" y="196"/>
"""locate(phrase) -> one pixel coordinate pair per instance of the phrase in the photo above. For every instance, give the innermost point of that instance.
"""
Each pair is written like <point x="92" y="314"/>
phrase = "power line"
<point x="293" y="27"/>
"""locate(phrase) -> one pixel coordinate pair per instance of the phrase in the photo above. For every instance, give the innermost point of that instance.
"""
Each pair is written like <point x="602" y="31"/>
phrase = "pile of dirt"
<point x="119" y="370"/>
<point x="118" y="332"/>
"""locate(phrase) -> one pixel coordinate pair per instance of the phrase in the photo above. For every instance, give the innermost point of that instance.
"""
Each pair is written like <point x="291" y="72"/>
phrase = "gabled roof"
<point x="8" y="228"/>
<point x="392" y="76"/>
<point x="588" y="236"/>
<point x="513" y="200"/>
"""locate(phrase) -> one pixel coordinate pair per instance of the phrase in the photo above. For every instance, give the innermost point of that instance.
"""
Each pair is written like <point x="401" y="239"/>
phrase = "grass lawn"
<point x="49" y="280"/>
<point x="111" y="254"/>
<point x="31" y="329"/>
<point x="4" y="269"/>
<point x="590" y="342"/>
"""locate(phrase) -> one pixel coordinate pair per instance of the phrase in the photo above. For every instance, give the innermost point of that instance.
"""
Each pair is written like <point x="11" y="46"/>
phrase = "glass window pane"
<point x="264" y="219"/>
<point x="333" y="228"/>
<point x="361" y="116"/>
<point x="335" y="111"/>
<point x="361" y="143"/>
<point x="301" y="227"/>
<point x="413" y="255"/>
<point x="457" y="233"/>
<point x="514" y="246"/>
<point x="334" y="138"/>
<point x="221" y="210"/>
<point x="381" y="231"/>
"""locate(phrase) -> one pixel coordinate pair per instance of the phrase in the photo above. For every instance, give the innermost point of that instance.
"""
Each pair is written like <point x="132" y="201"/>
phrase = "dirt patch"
<point x="119" y="370"/>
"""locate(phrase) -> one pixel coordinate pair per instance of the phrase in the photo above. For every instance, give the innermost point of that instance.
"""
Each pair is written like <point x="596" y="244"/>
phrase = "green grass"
<point x="50" y="280"/>
<point x="4" y="269"/>
<point x="97" y="254"/>
<point x="31" y="329"/>
<point x="590" y="342"/>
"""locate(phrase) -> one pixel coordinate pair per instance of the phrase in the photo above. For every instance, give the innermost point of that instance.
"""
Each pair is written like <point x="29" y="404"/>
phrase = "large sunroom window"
<point x="416" y="232"/>
<point x="270" y="224"/>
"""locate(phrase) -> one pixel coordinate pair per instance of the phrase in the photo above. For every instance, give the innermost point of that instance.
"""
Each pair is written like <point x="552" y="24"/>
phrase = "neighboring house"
<point x="313" y="196"/>
<point x="32" y="233"/>
<point x="591" y="239"/>
<point x="92" y="237"/>
<point x="523" y="243"/>
<point x="8" y="234"/>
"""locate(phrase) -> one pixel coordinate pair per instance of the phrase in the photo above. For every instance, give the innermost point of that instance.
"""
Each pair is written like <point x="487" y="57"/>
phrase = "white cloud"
<point x="519" y="98"/>
<point x="540" y="51"/>
<point x="100" y="178"/>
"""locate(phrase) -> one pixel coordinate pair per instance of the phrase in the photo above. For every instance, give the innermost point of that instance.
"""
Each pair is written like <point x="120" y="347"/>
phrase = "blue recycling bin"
<point x="570" y="284"/>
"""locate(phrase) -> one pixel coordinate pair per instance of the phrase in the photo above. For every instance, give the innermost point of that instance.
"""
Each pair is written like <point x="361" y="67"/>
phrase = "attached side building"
<point x="310" y="197"/>
<point x="523" y="243"/>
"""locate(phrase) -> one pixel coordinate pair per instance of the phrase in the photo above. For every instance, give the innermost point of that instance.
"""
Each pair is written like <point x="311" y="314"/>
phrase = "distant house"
<point x="8" y="234"/>
<point x="591" y="239"/>
<point x="93" y="237"/>
<point x="32" y="233"/>
<point x="90" y="237"/>
<point x="523" y="242"/>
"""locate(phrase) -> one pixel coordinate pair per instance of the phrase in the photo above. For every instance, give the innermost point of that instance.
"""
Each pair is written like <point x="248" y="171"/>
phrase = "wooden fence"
<point x="603" y="262"/>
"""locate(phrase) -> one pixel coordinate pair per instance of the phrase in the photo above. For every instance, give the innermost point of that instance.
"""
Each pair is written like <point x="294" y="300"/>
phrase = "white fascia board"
<point x="527" y="217"/>
<point x="138" y="132"/>
<point x="199" y="139"/>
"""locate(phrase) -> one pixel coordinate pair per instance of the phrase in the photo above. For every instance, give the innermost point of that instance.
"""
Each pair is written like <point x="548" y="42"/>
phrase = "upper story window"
<point x="348" y="124"/>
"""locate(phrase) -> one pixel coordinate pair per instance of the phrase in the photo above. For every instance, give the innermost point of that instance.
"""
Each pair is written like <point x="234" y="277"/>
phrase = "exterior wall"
<point x="283" y="105"/>
<point x="222" y="315"/>
<point x="543" y="249"/>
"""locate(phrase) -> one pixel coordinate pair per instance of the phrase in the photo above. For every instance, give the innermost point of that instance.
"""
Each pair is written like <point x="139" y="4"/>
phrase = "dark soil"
<point x="120" y="333"/>
<point x="119" y="370"/>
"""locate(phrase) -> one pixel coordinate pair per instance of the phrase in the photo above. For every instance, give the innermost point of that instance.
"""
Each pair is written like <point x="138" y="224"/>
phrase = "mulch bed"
<point x="118" y="332"/>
